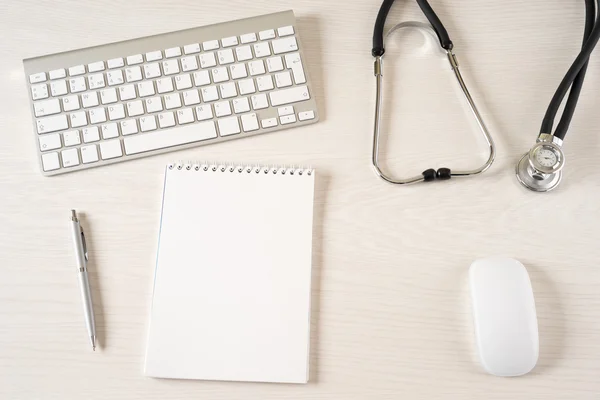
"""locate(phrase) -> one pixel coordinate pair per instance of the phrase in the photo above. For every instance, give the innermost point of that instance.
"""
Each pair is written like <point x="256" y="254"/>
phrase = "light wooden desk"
<point x="390" y="317"/>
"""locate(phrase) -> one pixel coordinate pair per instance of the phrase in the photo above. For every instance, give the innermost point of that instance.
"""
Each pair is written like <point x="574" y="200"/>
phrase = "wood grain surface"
<point x="390" y="314"/>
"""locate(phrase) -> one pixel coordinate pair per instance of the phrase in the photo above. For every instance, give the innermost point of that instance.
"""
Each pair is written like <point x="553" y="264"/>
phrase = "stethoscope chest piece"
<point x="540" y="169"/>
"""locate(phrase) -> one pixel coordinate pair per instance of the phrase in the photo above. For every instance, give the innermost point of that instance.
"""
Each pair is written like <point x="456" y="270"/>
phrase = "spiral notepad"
<point x="231" y="294"/>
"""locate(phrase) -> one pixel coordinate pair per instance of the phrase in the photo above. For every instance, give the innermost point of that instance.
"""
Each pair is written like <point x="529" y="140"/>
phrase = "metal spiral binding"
<point x="240" y="168"/>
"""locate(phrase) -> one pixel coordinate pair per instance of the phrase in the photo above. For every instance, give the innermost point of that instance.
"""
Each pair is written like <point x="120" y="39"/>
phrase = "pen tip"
<point x="94" y="348"/>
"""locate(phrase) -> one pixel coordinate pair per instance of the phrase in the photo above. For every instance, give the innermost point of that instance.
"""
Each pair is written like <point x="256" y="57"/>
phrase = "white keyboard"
<point x="131" y="99"/>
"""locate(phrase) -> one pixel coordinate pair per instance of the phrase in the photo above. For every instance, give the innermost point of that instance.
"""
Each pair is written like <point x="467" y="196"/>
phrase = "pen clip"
<point x="85" y="252"/>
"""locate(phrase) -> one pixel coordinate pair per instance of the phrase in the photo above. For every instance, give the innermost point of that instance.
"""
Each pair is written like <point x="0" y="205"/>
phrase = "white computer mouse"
<point x="504" y="316"/>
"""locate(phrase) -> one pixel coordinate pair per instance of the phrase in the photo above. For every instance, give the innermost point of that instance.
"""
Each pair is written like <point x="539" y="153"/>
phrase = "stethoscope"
<point x="540" y="169"/>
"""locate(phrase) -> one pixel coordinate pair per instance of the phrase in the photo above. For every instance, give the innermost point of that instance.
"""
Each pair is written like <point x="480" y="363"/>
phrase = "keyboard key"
<point x="115" y="63"/>
<point x="96" y="67"/>
<point x="204" y="112"/>
<point x="71" y="138"/>
<point x="135" y="108"/>
<point x="115" y="77"/>
<point x="306" y="115"/>
<point x="58" y="88"/>
<point x="135" y="59"/>
<point x="246" y="86"/>
<point x="52" y="124"/>
<point x="70" y="158"/>
<point x="153" y="104"/>
<point x="269" y="122"/>
<point x="191" y="97"/>
<point x="172" y="101"/>
<point x="110" y="131"/>
<point x="207" y="60"/>
<point x="210" y="45"/>
<point x="145" y="89"/>
<point x="228" y="126"/>
<point x="285" y="30"/>
<point x="220" y="74"/>
<point x="77" y="85"/>
<point x="283" y="79"/>
<point x="77" y="70"/>
<point x="40" y="91"/>
<point x="164" y="85"/>
<point x="147" y="123"/>
<point x="293" y="62"/>
<point x="262" y="49"/>
<point x="58" y="73"/>
<point x="166" y="120"/>
<point x="189" y="63"/>
<point x="210" y="93"/>
<point x="128" y="127"/>
<point x="287" y="110"/>
<point x="241" y="105"/>
<point x="191" y="48"/>
<point x="228" y="90"/>
<point x="97" y="115"/>
<point x="108" y="96"/>
<point x="256" y="67"/>
<point x="153" y="56"/>
<point x="243" y="53"/>
<point x="111" y="149"/>
<point x="91" y="134"/>
<point x="222" y="109"/>
<point x="274" y="64"/>
<point x="151" y="70"/>
<point x="37" y="78"/>
<point x="185" y="116"/>
<point x="50" y="161"/>
<point x="170" y="67"/>
<point x="287" y="119"/>
<point x="183" y="81"/>
<point x="117" y="111"/>
<point x="229" y="41"/>
<point x="238" y="71"/>
<point x="50" y="142"/>
<point x="286" y="96"/>
<point x="225" y="56"/>
<point x="70" y="103"/>
<point x="172" y="52"/>
<point x="248" y="38"/>
<point x="161" y="139"/>
<point x="46" y="107"/>
<point x="259" y="101"/>
<point x="201" y="78"/>
<point x="89" y="99"/>
<point x="89" y="154"/>
<point x="284" y="45"/>
<point x="78" y="119"/>
<point x="266" y="35"/>
<point x="133" y="74"/>
<point x="249" y="122"/>
<point x="264" y="83"/>
<point x="127" y="92"/>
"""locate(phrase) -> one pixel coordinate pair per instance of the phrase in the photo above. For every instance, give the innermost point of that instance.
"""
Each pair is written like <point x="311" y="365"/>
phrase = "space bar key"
<point x="169" y="137"/>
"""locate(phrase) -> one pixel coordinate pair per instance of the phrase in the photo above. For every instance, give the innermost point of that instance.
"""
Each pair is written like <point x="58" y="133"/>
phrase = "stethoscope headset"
<point x="540" y="169"/>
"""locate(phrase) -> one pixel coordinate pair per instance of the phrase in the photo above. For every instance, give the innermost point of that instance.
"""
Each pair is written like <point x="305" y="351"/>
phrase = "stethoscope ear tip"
<point x="442" y="174"/>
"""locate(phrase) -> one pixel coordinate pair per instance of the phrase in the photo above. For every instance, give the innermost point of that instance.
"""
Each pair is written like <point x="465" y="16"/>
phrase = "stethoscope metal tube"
<point x="430" y="174"/>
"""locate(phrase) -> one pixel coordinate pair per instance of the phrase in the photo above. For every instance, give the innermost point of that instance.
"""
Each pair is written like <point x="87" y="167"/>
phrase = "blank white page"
<point x="233" y="271"/>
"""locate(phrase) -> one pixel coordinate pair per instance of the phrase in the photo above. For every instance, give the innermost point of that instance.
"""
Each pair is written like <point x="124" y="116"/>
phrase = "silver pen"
<point x="81" y="257"/>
